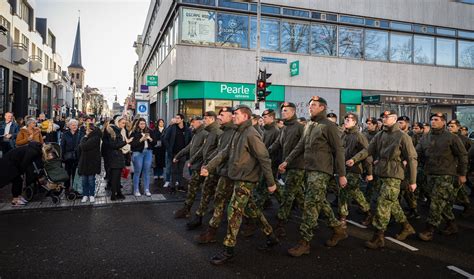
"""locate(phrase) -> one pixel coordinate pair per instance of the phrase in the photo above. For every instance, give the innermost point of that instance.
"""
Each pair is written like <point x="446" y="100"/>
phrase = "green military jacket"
<point x="355" y="145"/>
<point x="209" y="149"/>
<point x="199" y="137"/>
<point x="320" y="146"/>
<point x="228" y="130"/>
<point x="442" y="153"/>
<point x="389" y="148"/>
<point x="370" y="134"/>
<point x="289" y="137"/>
<point x="247" y="156"/>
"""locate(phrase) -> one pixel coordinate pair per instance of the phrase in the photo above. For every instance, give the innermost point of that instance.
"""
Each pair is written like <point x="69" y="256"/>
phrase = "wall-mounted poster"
<point x="199" y="27"/>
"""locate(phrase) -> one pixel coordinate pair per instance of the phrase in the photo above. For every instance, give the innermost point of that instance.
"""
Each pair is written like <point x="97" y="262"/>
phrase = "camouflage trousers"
<point x="207" y="193"/>
<point x="294" y="191"/>
<point x="442" y="199"/>
<point x="409" y="196"/>
<point x="193" y="187"/>
<point x="242" y="200"/>
<point x="315" y="203"/>
<point x="423" y="189"/>
<point x="262" y="194"/>
<point x="223" y="194"/>
<point x="373" y="189"/>
<point x="388" y="204"/>
<point x="351" y="191"/>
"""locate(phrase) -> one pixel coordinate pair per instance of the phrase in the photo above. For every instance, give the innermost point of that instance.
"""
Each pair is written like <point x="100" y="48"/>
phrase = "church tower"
<point x="76" y="70"/>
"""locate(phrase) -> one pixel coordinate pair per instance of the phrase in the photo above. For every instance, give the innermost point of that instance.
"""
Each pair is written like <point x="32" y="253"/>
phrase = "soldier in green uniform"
<point x="389" y="148"/>
<point x="224" y="185"/>
<point x="355" y="145"/>
<point x="199" y="137"/>
<point x="323" y="154"/>
<point x="372" y="185"/>
<point x="445" y="160"/>
<point x="207" y="151"/>
<point x="248" y="158"/>
<point x="289" y="137"/>
<point x="333" y="187"/>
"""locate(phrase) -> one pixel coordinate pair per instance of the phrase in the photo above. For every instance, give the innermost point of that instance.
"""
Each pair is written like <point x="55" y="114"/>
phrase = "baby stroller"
<point x="50" y="176"/>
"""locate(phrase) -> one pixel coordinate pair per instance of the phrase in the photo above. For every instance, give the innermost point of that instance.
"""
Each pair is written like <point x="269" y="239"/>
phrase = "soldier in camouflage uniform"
<point x="333" y="187"/>
<point x="207" y="151"/>
<point x="422" y="189"/>
<point x="389" y="148"/>
<point x="373" y="187"/>
<point x="294" y="184"/>
<point x="445" y="159"/>
<point x="323" y="153"/>
<point x="248" y="158"/>
<point x="355" y="145"/>
<point x="199" y="137"/>
<point x="225" y="185"/>
<point x="462" y="197"/>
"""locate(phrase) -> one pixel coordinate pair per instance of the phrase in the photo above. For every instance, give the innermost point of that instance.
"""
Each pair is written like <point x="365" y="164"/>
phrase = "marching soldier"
<point x="355" y="145"/>
<point x="372" y="128"/>
<point x="248" y="158"/>
<point x="225" y="186"/>
<point x="445" y="158"/>
<point x="323" y="153"/>
<point x="390" y="148"/>
<point x="198" y="139"/>
<point x="294" y="183"/>
<point x="372" y="186"/>
<point x="206" y="153"/>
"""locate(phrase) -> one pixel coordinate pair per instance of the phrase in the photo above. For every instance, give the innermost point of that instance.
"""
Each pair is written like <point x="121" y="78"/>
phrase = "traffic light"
<point x="262" y="85"/>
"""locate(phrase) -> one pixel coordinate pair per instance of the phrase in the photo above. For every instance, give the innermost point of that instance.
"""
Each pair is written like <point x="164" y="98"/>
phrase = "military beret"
<point x="352" y="115"/>
<point x="388" y="112"/>
<point x="404" y="118"/>
<point x="426" y="124"/>
<point x="287" y="105"/>
<point x="331" y="114"/>
<point x="210" y="113"/>
<point x="438" y="114"/>
<point x="226" y="109"/>
<point x="455" y="122"/>
<point x="268" y="111"/>
<point x="256" y="116"/>
<point x="371" y="120"/>
<point x="196" y="118"/>
<point x="321" y="100"/>
<point x="302" y="119"/>
<point x="419" y="125"/>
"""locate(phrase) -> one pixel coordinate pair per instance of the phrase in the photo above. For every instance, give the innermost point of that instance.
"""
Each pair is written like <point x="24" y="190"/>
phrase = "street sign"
<point x="152" y="80"/>
<point x="295" y="68"/>
<point x="144" y="88"/>
<point x="274" y="60"/>
<point x="143" y="109"/>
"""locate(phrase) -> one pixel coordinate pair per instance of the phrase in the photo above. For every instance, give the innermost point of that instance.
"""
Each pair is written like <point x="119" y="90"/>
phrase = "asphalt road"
<point x="144" y="241"/>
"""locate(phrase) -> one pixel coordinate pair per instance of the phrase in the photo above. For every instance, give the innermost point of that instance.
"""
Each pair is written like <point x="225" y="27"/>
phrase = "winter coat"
<point x="14" y="130"/>
<point x="70" y="143"/>
<point x="89" y="153"/>
<point x="113" y="142"/>
<point x="198" y="140"/>
<point x="170" y="135"/>
<point x="159" y="151"/>
<point x="288" y="138"/>
<point x="137" y="146"/>
<point x="17" y="161"/>
<point x="22" y="138"/>
<point x="355" y="145"/>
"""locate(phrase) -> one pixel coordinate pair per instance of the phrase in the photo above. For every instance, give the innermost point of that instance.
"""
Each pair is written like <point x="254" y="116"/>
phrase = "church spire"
<point x="76" y="55"/>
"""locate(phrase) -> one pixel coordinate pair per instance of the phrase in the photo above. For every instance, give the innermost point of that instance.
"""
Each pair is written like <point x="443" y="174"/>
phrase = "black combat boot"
<point x="221" y="258"/>
<point x="427" y="233"/>
<point x="377" y="240"/>
<point x="271" y="241"/>
<point x="195" y="223"/>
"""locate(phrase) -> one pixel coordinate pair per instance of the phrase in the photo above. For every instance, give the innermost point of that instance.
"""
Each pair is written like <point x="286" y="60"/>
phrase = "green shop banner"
<point x="224" y="91"/>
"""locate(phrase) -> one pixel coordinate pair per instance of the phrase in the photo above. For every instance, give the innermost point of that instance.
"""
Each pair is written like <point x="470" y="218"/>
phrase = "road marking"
<point x="356" y="224"/>
<point x="458" y="207"/>
<point x="460" y="271"/>
<point x="409" y="247"/>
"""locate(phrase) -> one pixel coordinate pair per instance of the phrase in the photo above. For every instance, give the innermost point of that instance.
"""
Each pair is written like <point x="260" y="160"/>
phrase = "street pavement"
<point x="144" y="241"/>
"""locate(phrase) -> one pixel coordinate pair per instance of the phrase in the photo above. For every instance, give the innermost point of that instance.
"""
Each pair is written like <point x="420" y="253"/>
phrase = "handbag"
<point x="77" y="183"/>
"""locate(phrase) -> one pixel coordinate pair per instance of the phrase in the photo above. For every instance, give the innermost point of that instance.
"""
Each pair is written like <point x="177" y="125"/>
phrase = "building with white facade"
<point x="364" y="56"/>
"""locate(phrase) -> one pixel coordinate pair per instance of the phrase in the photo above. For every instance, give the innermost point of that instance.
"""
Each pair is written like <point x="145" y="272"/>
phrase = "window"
<point x="176" y="30"/>
<point x="3" y="89"/>
<point x="294" y="37"/>
<point x="293" y="12"/>
<point x="466" y="34"/>
<point x="400" y="47"/>
<point x="350" y="42"/>
<point x="445" y="52"/>
<point x="24" y="12"/>
<point x="16" y="36"/>
<point x="331" y="17"/>
<point x="40" y="53"/>
<point x="424" y="29"/>
<point x="35" y="97"/>
<point x="466" y="54"/>
<point x="352" y="20"/>
<point x="400" y="26"/>
<point x="423" y="50"/>
<point x="46" y="62"/>
<point x="376" y="45"/>
<point x="233" y="5"/>
<point x="25" y="41"/>
<point x="166" y="43"/>
<point x="232" y="30"/>
<point x="324" y="39"/>
<point x="201" y="2"/>
<point x="5" y="23"/>
<point x="199" y="27"/>
<point x="78" y="76"/>
<point x="269" y="34"/>
<point x="266" y="9"/>
<point x="446" y="32"/>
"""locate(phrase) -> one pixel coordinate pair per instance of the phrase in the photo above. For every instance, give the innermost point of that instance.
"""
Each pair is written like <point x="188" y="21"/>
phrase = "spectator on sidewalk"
<point x="49" y="131"/>
<point x="159" y="149"/>
<point x="89" y="161"/>
<point x="168" y="155"/>
<point x="29" y="133"/>
<point x="142" y="155"/>
<point x="8" y="133"/>
<point x="69" y="149"/>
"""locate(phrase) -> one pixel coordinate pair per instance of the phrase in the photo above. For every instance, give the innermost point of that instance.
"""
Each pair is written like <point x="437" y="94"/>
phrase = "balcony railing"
<point x="20" y="46"/>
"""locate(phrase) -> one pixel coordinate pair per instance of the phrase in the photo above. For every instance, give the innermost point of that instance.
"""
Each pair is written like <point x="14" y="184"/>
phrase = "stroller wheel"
<point x="71" y="196"/>
<point x="29" y="193"/>
<point x="55" y="199"/>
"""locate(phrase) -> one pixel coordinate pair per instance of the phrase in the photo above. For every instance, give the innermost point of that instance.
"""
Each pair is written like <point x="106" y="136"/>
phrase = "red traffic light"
<point x="261" y="84"/>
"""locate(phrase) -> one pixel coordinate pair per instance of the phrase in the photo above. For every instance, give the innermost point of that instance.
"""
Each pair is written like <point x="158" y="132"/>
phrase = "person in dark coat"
<point x="17" y="162"/>
<point x="8" y="132"/>
<point x="69" y="145"/>
<point x="159" y="149"/>
<point x="89" y="161"/>
<point x="114" y="142"/>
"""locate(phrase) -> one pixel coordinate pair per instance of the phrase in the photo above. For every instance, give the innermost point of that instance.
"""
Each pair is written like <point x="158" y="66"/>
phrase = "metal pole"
<point x="259" y="11"/>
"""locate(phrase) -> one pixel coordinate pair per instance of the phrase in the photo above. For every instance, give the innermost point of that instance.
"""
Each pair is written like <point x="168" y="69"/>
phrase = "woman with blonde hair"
<point x="49" y="131"/>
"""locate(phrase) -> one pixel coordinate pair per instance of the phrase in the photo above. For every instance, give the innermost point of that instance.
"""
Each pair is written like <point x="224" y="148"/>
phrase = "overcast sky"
<point x="108" y="30"/>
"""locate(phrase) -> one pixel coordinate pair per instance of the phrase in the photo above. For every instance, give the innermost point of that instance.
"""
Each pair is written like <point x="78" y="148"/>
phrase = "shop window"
<point x="266" y="9"/>
<point x="376" y="45"/>
<point x="324" y="39"/>
<point x="269" y="34"/>
<point x="232" y="30"/>
<point x="423" y="50"/>
<point x="350" y="42"/>
<point x="198" y="27"/>
<point x="294" y="37"/>
<point x="466" y="54"/>
<point x="191" y="108"/>
<point x="400" y="47"/>
<point x="216" y="105"/>
<point x="445" y="52"/>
